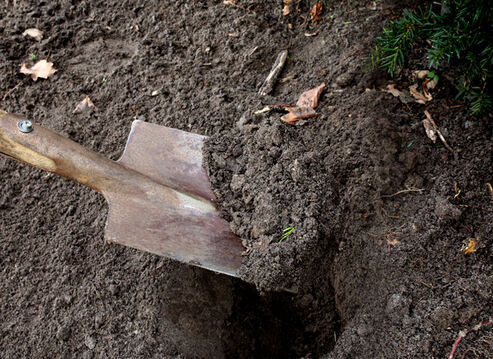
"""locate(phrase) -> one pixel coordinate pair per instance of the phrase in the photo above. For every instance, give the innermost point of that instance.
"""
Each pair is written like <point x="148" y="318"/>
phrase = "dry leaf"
<point x="431" y="84"/>
<point x="286" y="10"/>
<point x="421" y="74"/>
<point x="420" y="98"/>
<point x="316" y="11"/>
<point x="34" y="33"/>
<point x="393" y="241"/>
<point x="43" y="69"/>
<point x="299" y="113"/>
<point x="432" y="130"/>
<point x="85" y="105"/>
<point x="429" y="128"/>
<point x="391" y="89"/>
<point x="310" y="98"/>
<point x="472" y="245"/>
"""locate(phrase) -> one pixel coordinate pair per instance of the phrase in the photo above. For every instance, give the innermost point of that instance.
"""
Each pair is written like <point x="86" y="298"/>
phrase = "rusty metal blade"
<point x="183" y="224"/>
<point x="168" y="156"/>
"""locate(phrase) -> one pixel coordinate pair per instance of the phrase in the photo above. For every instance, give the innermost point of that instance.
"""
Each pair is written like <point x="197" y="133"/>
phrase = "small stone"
<point x="90" y="342"/>
<point x="345" y="79"/>
<point x="297" y="171"/>
<point x="237" y="182"/>
<point x="155" y="93"/>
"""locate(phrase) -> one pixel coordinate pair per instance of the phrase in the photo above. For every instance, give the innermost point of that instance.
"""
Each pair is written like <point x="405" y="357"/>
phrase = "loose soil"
<point x="371" y="270"/>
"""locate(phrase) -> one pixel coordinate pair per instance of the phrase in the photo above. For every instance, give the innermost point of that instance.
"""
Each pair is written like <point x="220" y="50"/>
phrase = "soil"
<point x="374" y="266"/>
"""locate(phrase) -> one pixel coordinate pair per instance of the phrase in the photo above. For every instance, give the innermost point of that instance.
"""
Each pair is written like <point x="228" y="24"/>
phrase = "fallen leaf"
<point x="430" y="84"/>
<point x="429" y="128"/>
<point x="43" y="69"/>
<point x="299" y="113"/>
<point x="310" y="98"/>
<point x="34" y="33"/>
<point x="432" y="130"/>
<point x="391" y="89"/>
<point x="316" y="11"/>
<point x="286" y="10"/>
<point x="472" y="245"/>
<point x="85" y="105"/>
<point x="421" y="74"/>
<point x="420" y="98"/>
<point x="393" y="241"/>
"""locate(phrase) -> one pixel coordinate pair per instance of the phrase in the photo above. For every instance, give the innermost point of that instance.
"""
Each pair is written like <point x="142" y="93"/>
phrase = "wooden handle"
<point x="52" y="152"/>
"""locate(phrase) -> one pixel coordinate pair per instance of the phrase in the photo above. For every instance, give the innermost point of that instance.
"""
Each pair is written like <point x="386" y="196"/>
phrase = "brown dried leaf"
<point x="391" y="89"/>
<point x="299" y="113"/>
<point x="420" y="98"/>
<point x="85" y="105"/>
<point x="43" y="69"/>
<point x="472" y="245"/>
<point x="316" y="11"/>
<point x="310" y="98"/>
<point x="34" y="33"/>
<point x="420" y="74"/>
<point x="429" y="122"/>
<point x="286" y="10"/>
<point x="430" y="84"/>
<point x="429" y="128"/>
<point x="393" y="241"/>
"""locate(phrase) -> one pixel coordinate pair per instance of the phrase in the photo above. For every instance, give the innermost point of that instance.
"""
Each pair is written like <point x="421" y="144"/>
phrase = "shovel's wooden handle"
<point x="52" y="152"/>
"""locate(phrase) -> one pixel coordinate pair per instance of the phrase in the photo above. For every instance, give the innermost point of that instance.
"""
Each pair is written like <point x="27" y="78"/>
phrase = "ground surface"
<point x="365" y="274"/>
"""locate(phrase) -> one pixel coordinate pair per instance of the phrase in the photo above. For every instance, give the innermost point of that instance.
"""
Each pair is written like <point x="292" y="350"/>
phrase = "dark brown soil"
<point x="369" y="271"/>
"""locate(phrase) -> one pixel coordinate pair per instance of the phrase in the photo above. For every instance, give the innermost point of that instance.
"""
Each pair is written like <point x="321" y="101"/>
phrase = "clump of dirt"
<point x="374" y="265"/>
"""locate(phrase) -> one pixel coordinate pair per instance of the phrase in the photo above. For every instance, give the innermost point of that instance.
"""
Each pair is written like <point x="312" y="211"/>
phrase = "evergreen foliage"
<point x="461" y="36"/>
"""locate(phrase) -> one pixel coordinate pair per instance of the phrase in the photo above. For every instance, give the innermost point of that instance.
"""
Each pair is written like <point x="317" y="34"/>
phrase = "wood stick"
<point x="270" y="81"/>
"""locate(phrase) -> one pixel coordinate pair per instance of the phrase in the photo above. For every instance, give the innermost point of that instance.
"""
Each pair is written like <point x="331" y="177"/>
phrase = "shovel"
<point x="158" y="193"/>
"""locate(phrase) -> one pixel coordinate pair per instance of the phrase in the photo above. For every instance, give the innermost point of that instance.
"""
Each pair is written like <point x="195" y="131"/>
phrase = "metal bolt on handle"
<point x="25" y="126"/>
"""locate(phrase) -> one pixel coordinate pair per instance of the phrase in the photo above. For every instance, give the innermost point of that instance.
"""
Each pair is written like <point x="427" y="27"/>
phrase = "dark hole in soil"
<point x="268" y="326"/>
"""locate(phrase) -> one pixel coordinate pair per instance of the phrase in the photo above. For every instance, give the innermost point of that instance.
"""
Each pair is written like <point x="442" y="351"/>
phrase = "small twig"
<point x="464" y="332"/>
<point x="428" y="115"/>
<point x="12" y="89"/>
<point x="269" y="82"/>
<point x="388" y="215"/>
<point x="409" y="189"/>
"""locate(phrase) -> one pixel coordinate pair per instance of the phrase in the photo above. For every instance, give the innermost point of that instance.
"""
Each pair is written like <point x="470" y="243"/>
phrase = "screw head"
<point x="25" y="126"/>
